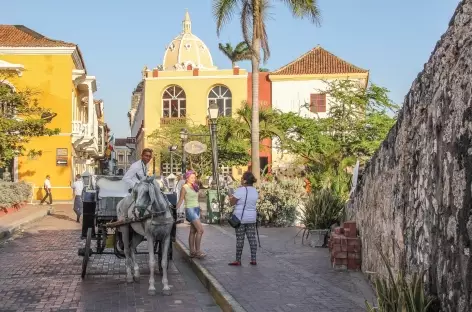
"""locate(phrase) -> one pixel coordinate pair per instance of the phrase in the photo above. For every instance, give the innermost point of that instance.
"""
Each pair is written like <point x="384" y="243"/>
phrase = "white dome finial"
<point x="187" y="23"/>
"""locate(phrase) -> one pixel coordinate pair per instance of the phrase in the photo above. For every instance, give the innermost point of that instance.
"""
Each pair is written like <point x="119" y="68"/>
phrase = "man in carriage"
<point x="138" y="169"/>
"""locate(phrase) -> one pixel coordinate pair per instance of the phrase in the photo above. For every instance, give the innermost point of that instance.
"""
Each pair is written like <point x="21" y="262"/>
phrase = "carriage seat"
<point x="110" y="188"/>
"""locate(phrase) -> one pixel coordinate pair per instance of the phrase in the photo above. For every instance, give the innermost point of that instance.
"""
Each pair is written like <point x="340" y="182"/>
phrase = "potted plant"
<point x="322" y="209"/>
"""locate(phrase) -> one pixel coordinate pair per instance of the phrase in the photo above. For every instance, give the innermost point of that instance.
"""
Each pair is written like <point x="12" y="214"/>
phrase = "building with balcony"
<point x="124" y="155"/>
<point x="56" y="70"/>
<point x="181" y="89"/>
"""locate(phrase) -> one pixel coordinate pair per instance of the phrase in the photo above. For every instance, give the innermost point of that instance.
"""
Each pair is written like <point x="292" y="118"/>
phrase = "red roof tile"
<point x="22" y="36"/>
<point x="318" y="61"/>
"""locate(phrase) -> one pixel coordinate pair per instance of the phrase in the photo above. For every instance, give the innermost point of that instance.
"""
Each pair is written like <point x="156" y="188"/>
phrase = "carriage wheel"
<point x="87" y="250"/>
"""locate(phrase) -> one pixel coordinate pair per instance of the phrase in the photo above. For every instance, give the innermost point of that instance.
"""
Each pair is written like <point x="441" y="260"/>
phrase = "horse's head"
<point x="143" y="197"/>
<point x="147" y="193"/>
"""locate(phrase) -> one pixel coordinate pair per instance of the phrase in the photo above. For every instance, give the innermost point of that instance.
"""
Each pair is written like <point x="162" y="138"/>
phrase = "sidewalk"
<point x="288" y="277"/>
<point x="13" y="221"/>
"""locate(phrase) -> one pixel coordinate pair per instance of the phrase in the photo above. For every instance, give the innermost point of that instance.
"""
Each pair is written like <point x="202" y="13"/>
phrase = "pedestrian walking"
<point x="47" y="189"/>
<point x="78" y="187"/>
<point x="245" y="199"/>
<point x="189" y="194"/>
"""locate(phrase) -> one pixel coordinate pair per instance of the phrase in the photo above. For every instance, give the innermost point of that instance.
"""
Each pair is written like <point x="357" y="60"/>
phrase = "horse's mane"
<point x="159" y="201"/>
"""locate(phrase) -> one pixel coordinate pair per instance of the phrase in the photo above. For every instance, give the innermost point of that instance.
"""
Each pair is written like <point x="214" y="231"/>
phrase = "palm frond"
<point x="226" y="49"/>
<point x="223" y="12"/>
<point x="305" y="8"/>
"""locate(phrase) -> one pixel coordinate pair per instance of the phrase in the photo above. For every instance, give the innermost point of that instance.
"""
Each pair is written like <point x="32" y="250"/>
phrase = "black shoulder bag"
<point x="233" y="220"/>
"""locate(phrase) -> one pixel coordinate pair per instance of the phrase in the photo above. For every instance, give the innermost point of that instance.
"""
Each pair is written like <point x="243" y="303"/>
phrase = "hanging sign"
<point x="62" y="156"/>
<point x="195" y="147"/>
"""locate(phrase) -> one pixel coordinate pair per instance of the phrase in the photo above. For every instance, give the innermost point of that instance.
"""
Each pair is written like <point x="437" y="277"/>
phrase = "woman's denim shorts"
<point x="192" y="214"/>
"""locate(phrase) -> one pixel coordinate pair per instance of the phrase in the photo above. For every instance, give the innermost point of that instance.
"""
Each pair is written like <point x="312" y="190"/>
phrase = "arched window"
<point x="222" y="96"/>
<point x="6" y="109"/>
<point x="174" y="103"/>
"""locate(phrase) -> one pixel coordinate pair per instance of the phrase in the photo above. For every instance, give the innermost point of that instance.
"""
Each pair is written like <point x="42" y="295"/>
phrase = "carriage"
<point x="100" y="199"/>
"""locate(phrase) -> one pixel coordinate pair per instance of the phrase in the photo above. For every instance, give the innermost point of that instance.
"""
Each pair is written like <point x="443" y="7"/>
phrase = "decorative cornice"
<point x="243" y="76"/>
<point x="73" y="51"/>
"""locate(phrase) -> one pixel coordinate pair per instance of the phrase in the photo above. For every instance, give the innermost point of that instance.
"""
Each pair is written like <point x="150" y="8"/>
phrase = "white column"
<point x="91" y="107"/>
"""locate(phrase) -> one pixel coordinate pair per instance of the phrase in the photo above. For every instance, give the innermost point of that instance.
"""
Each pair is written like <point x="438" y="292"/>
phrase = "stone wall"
<point x="414" y="199"/>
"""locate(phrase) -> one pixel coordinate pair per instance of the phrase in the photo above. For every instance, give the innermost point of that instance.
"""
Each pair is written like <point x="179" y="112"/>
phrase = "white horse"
<point x="147" y="203"/>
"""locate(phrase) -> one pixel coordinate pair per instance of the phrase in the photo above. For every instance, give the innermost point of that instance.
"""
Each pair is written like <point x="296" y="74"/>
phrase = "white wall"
<point x="294" y="96"/>
<point x="138" y="118"/>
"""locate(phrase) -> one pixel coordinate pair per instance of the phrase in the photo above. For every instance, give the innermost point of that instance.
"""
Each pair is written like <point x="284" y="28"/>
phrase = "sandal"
<point x="235" y="263"/>
<point x="200" y="255"/>
<point x="192" y="254"/>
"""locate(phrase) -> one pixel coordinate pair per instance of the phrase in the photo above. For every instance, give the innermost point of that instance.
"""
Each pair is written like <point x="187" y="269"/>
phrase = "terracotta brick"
<point x="195" y="71"/>
<point x="340" y="254"/>
<point x="353" y="248"/>
<point x="354" y="255"/>
<point x="354" y="244"/>
<point x="353" y="264"/>
<point x="155" y="73"/>
<point x="236" y="70"/>
<point x="351" y="225"/>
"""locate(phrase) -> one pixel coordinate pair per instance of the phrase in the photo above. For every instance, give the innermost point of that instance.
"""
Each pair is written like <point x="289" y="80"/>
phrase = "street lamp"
<point x="183" y="137"/>
<point x="172" y="149"/>
<point x="213" y="117"/>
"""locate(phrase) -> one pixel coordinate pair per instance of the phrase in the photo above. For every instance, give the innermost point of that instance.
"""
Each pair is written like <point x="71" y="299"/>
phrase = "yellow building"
<point x="181" y="89"/>
<point x="57" y="71"/>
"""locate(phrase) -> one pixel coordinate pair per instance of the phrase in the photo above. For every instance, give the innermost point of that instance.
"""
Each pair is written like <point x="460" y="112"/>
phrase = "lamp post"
<point x="183" y="137"/>
<point x="213" y="117"/>
<point x="172" y="149"/>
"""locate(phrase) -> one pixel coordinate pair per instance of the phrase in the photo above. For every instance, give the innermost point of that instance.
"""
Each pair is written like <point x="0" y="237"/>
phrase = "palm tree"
<point x="240" y="53"/>
<point x="253" y="15"/>
<point x="267" y="127"/>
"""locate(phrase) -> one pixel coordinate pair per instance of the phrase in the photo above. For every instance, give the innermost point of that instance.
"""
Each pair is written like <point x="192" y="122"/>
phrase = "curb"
<point x="221" y="296"/>
<point x="5" y="233"/>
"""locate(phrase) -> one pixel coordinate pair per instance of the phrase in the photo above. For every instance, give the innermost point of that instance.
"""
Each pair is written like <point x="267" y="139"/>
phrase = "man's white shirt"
<point x="78" y="187"/>
<point x="47" y="184"/>
<point x="138" y="168"/>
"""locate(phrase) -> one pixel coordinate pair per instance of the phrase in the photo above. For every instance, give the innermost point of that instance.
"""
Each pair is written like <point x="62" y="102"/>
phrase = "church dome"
<point x="187" y="51"/>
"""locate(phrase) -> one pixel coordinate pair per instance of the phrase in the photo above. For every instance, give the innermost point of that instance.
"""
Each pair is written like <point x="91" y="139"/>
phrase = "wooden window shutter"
<point x="318" y="103"/>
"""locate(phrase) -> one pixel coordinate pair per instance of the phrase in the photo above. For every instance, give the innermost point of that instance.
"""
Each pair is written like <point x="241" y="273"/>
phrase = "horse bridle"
<point x="151" y="214"/>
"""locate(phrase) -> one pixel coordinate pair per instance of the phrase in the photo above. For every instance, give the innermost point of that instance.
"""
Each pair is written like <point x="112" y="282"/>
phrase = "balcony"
<point x="171" y="121"/>
<point x="83" y="140"/>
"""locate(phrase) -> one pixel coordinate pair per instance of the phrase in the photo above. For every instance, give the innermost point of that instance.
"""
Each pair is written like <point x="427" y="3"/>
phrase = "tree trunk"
<point x="233" y="64"/>
<point x="256" y="46"/>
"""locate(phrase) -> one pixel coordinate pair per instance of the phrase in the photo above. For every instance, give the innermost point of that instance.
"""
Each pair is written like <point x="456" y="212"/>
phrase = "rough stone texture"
<point x="415" y="194"/>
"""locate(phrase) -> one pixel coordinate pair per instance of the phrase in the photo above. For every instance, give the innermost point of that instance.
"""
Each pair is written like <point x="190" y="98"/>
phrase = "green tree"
<point x="253" y="16"/>
<point x="231" y="151"/>
<point x="240" y="53"/>
<point x="21" y="119"/>
<point x="358" y="121"/>
<point x="264" y="70"/>
<point x="267" y="123"/>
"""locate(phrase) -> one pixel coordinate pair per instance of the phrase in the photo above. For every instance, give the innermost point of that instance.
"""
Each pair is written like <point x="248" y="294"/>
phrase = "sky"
<point x="392" y="39"/>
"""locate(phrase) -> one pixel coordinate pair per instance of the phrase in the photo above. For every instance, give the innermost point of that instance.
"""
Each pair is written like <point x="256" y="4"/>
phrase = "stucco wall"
<point x="414" y="198"/>
<point x="51" y="77"/>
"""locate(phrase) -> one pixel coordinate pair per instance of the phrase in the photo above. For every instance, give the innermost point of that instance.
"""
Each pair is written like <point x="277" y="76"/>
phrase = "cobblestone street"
<point x="40" y="271"/>
<point x="288" y="276"/>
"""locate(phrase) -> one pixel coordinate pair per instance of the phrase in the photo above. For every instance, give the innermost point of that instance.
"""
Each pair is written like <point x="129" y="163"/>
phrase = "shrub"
<point x="13" y="194"/>
<point x="322" y="209"/>
<point x="400" y="294"/>
<point x="278" y="202"/>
